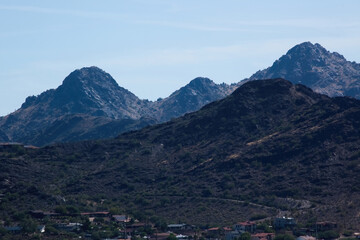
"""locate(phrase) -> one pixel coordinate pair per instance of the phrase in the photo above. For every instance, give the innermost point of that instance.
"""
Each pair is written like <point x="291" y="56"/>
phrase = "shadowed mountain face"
<point x="92" y="96"/>
<point x="279" y="145"/>
<point x="314" y="66"/>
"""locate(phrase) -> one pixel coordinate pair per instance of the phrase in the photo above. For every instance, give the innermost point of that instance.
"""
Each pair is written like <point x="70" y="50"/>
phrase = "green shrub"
<point x="328" y="235"/>
<point x="284" y="237"/>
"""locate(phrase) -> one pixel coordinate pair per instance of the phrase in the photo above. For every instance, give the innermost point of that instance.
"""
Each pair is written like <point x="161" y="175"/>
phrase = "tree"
<point x="171" y="237"/>
<point x="86" y="225"/>
<point x="245" y="236"/>
<point x="328" y="235"/>
<point x="50" y="230"/>
<point x="2" y="231"/>
<point x="61" y="209"/>
<point x="28" y="226"/>
<point x="284" y="237"/>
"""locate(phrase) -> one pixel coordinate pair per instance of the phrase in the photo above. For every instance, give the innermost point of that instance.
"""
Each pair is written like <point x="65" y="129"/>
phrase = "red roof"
<point x="263" y="235"/>
<point x="162" y="234"/>
<point x="213" y="229"/>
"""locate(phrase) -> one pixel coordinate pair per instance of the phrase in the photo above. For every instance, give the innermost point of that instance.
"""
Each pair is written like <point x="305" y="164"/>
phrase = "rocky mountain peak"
<point x="91" y="89"/>
<point x="306" y="48"/>
<point x="89" y="77"/>
<point x="200" y="82"/>
<point x="312" y="65"/>
<point x="197" y="93"/>
<point x="312" y="54"/>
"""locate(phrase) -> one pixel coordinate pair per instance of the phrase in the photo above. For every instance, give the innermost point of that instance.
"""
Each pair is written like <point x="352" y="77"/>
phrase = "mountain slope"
<point x="314" y="66"/>
<point x="77" y="127"/>
<point x="3" y="137"/>
<point x="269" y="147"/>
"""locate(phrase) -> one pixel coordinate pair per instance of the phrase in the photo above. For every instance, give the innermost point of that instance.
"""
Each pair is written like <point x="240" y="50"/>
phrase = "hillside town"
<point x="40" y="224"/>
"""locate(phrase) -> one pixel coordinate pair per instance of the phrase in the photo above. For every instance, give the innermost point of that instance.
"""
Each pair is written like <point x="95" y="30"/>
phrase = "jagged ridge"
<point x="95" y="95"/>
<point x="314" y="66"/>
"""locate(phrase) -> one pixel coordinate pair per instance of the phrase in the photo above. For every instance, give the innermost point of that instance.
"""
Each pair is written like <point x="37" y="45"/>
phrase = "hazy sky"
<point x="153" y="47"/>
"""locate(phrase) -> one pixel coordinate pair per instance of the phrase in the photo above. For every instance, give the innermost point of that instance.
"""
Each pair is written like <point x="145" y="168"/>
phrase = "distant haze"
<point x="154" y="47"/>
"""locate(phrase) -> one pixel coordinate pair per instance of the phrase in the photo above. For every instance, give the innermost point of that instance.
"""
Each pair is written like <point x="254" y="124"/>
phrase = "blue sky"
<point x="153" y="47"/>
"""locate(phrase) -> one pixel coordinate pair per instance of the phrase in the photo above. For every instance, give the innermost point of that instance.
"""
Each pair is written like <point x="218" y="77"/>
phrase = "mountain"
<point x="191" y="97"/>
<point x="3" y="137"/>
<point x="270" y="148"/>
<point x="77" y="127"/>
<point x="88" y="100"/>
<point x="95" y="95"/>
<point x="312" y="65"/>
<point x="88" y="90"/>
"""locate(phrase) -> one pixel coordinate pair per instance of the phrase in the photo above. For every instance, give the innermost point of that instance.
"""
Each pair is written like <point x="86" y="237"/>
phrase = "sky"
<point x="154" y="47"/>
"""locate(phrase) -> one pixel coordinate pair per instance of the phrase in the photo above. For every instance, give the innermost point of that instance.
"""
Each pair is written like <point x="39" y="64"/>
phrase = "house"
<point x="284" y="222"/>
<point x="247" y="226"/>
<point x="138" y="225"/>
<point x="121" y="218"/>
<point x="325" y="226"/>
<point x="213" y="233"/>
<point x="306" y="238"/>
<point x="263" y="236"/>
<point x="213" y="229"/>
<point x="174" y="227"/>
<point x="134" y="228"/>
<point x="180" y="236"/>
<point x="239" y="228"/>
<point x="17" y="229"/>
<point x="160" y="236"/>
<point x="96" y="214"/>
<point x="232" y="235"/>
<point x="69" y="227"/>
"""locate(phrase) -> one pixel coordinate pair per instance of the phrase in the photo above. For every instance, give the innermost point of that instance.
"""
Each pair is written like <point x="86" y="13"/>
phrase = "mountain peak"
<point x="89" y="76"/>
<point x="270" y="88"/>
<point x="200" y="81"/>
<point x="197" y="93"/>
<point x="312" y="65"/>
<point x="307" y="47"/>
<point x="309" y="53"/>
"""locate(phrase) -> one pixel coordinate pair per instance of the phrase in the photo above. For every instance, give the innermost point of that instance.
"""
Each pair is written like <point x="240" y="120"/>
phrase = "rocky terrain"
<point x="314" y="66"/>
<point x="89" y="101"/>
<point x="91" y="105"/>
<point x="191" y="97"/>
<point x="270" y="148"/>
